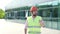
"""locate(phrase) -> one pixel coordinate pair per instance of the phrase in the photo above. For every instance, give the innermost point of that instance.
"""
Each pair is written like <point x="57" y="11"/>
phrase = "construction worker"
<point x="33" y="23"/>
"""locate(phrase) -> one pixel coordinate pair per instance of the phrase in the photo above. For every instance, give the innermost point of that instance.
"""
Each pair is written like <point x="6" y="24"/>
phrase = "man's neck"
<point x="33" y="16"/>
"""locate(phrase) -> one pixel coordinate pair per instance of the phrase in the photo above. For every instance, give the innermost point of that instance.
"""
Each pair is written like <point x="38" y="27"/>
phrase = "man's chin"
<point x="34" y="15"/>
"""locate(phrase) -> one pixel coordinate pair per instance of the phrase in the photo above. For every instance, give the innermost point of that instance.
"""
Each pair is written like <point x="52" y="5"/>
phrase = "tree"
<point x="2" y="14"/>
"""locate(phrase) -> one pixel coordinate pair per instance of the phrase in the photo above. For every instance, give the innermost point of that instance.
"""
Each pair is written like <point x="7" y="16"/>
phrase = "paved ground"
<point x="9" y="27"/>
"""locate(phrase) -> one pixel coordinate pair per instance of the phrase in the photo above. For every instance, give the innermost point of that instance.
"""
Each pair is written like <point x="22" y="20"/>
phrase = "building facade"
<point x="50" y="11"/>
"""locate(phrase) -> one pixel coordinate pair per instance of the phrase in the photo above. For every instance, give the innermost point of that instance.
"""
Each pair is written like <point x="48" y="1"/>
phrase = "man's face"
<point x="34" y="13"/>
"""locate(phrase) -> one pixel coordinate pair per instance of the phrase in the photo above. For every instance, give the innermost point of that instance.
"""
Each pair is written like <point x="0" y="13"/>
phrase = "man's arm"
<point x="25" y="30"/>
<point x="42" y="23"/>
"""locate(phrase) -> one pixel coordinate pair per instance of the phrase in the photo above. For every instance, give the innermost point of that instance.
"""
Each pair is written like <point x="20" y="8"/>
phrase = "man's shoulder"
<point x="29" y="17"/>
<point x="38" y="16"/>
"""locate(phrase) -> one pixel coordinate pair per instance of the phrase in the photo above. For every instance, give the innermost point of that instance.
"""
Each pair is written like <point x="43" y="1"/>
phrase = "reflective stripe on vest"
<point x="34" y="26"/>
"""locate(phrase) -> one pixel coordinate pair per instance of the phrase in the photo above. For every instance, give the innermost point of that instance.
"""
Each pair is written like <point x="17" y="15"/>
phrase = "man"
<point x="34" y="22"/>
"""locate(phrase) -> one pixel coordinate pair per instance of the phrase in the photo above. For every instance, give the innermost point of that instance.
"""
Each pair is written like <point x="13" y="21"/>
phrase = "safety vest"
<point x="34" y="25"/>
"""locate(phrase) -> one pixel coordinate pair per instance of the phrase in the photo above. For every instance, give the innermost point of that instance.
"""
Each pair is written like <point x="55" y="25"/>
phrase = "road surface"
<point x="9" y="27"/>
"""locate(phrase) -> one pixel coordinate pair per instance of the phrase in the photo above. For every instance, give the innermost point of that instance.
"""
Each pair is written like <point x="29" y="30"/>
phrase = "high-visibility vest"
<point x="34" y="25"/>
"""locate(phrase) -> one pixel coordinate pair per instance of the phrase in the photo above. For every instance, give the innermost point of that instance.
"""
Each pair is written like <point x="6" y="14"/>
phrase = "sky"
<point x="3" y="3"/>
<point x="19" y="3"/>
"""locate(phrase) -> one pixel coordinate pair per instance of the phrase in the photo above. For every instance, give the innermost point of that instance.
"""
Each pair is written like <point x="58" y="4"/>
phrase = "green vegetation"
<point x="2" y="14"/>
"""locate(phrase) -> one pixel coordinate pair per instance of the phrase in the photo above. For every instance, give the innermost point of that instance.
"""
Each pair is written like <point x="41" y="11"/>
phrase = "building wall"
<point x="50" y="14"/>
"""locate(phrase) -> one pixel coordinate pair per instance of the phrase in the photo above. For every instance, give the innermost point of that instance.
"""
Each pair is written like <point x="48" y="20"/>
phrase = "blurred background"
<point x="48" y="9"/>
<point x="17" y="10"/>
